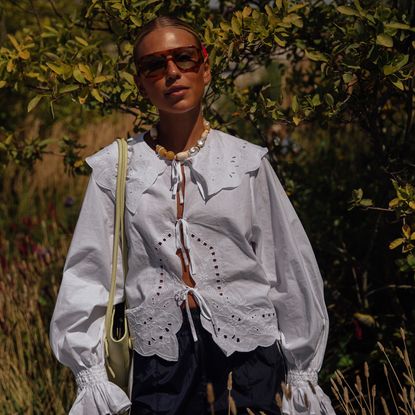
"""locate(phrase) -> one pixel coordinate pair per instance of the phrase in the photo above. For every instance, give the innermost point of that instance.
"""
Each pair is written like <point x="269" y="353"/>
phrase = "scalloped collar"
<point x="220" y="164"/>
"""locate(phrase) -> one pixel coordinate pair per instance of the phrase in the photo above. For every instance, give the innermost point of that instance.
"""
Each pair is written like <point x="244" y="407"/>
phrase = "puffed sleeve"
<point x="285" y="252"/>
<point x="77" y="325"/>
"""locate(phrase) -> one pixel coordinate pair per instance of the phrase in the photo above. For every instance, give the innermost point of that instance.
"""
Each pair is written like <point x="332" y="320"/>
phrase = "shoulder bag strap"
<point x="118" y="225"/>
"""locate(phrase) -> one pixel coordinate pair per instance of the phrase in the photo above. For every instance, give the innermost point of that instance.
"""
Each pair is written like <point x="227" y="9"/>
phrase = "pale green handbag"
<point x="117" y="340"/>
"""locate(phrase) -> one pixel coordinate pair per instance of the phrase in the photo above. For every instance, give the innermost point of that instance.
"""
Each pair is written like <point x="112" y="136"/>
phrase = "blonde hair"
<point x="163" y="21"/>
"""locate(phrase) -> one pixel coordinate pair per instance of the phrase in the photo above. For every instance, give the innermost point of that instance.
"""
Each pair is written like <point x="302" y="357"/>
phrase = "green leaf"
<point x="296" y="120"/>
<point x="411" y="260"/>
<point x="3" y="84"/>
<point x="128" y="77"/>
<point x="68" y="88"/>
<point x="358" y="6"/>
<point x="293" y="9"/>
<point x="246" y="11"/>
<point x="394" y="203"/>
<point x="294" y="103"/>
<point x="329" y="99"/>
<point x="348" y="11"/>
<point x="24" y="54"/>
<point x="396" y="64"/>
<point x="136" y="20"/>
<point x="268" y="10"/>
<point x="384" y="40"/>
<point x="357" y="194"/>
<point x="394" y="244"/>
<point x="347" y="77"/>
<point x="96" y="94"/>
<point x="102" y="78"/>
<point x="397" y="25"/>
<point x="316" y="100"/>
<point x="316" y="56"/>
<point x="279" y="41"/>
<point x="224" y="26"/>
<point x="86" y="71"/>
<point x="236" y="25"/>
<point x="399" y="84"/>
<point x="78" y="75"/>
<point x="82" y="41"/>
<point x="14" y="42"/>
<point x="406" y="230"/>
<point x="366" y="202"/>
<point x="230" y="49"/>
<point x="293" y="19"/>
<point x="60" y="70"/>
<point x="34" y="102"/>
<point x="125" y="94"/>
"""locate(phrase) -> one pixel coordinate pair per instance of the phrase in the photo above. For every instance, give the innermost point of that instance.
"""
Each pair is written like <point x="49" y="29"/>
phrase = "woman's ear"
<point x="207" y="76"/>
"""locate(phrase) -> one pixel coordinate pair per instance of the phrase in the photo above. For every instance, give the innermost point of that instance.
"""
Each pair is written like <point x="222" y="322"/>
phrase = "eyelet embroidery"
<point x="162" y="274"/>
<point x="153" y="328"/>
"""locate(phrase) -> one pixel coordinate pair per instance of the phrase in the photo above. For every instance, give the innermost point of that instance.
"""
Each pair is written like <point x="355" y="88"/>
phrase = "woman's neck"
<point x="179" y="132"/>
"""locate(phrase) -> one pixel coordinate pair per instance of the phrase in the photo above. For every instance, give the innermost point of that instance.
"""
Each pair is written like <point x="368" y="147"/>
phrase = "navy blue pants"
<point x="161" y="387"/>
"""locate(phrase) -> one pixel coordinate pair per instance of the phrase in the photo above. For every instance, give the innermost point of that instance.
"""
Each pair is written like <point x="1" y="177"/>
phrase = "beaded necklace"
<point x="182" y="155"/>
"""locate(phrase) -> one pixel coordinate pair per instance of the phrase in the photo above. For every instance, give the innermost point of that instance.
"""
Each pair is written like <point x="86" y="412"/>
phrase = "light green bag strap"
<point x="118" y="227"/>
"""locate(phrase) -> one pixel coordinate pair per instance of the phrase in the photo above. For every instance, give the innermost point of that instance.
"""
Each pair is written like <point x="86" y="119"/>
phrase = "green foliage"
<point x="336" y="77"/>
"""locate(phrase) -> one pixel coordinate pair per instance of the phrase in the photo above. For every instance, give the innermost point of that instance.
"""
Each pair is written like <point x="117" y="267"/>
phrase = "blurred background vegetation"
<point x="328" y="86"/>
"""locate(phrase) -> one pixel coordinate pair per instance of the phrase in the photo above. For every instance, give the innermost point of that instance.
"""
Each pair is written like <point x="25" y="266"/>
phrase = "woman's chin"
<point x="180" y="106"/>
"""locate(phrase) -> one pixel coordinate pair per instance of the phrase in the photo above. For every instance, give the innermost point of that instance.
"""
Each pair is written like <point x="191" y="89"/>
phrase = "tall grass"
<point x="31" y="380"/>
<point x="363" y="397"/>
<point x="36" y="225"/>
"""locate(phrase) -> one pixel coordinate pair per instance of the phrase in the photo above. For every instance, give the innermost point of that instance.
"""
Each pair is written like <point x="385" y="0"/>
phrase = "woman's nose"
<point x="171" y="69"/>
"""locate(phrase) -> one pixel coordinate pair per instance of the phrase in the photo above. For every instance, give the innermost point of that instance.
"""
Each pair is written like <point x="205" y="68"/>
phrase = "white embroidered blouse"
<point x="257" y="279"/>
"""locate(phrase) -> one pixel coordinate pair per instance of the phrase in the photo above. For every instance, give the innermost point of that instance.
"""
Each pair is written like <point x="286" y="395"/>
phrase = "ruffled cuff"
<point x="97" y="395"/>
<point x="304" y="396"/>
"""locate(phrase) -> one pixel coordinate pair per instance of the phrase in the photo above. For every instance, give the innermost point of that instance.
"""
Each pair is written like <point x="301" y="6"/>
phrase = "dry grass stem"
<point x="232" y="406"/>
<point x="361" y="397"/>
<point x="391" y="366"/>
<point x="385" y="406"/>
<point x="229" y="385"/>
<point x="278" y="400"/>
<point x="250" y="412"/>
<point x="210" y="397"/>
<point x="385" y="370"/>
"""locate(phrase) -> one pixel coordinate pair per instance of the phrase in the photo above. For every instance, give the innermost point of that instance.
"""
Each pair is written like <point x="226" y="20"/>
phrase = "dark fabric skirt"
<point x="179" y="388"/>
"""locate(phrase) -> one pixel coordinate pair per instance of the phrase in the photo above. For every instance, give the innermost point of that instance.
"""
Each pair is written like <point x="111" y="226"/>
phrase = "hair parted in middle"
<point x="166" y="21"/>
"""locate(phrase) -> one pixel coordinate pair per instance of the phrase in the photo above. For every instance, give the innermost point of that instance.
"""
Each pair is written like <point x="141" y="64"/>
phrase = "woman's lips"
<point x="177" y="92"/>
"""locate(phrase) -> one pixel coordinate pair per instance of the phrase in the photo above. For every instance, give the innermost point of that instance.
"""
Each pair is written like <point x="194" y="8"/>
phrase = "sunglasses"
<point x="154" y="65"/>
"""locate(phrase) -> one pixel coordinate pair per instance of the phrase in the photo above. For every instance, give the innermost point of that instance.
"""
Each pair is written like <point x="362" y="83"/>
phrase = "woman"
<point x="221" y="275"/>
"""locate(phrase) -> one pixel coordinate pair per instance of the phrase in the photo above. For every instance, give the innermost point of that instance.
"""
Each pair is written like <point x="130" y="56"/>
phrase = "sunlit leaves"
<point x="384" y="40"/>
<point x="348" y="11"/>
<point x="33" y="102"/>
<point x="316" y="56"/>
<point x="396" y="64"/>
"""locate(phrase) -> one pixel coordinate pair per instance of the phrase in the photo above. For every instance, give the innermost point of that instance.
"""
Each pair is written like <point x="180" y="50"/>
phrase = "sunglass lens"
<point x="153" y="66"/>
<point x="186" y="58"/>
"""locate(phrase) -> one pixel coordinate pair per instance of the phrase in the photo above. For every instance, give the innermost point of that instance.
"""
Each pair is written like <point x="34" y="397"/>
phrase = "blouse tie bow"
<point x="204" y="308"/>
